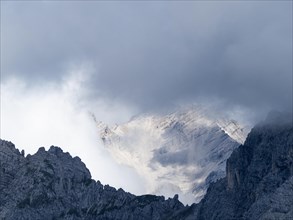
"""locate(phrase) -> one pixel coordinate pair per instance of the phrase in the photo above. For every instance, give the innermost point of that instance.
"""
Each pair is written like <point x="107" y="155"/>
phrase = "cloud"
<point x="155" y="54"/>
<point x="63" y="59"/>
<point x="32" y="117"/>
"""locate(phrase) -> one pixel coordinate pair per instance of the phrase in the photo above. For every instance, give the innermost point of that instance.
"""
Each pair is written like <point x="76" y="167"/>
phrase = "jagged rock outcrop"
<point x="53" y="185"/>
<point x="259" y="178"/>
<point x="181" y="152"/>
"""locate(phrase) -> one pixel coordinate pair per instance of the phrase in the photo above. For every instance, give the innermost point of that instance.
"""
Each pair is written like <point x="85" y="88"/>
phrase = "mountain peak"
<point x="179" y="152"/>
<point x="53" y="185"/>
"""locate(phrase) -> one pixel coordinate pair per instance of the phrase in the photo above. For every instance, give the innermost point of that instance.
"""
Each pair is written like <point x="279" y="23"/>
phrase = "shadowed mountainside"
<point x="259" y="177"/>
<point x="53" y="185"/>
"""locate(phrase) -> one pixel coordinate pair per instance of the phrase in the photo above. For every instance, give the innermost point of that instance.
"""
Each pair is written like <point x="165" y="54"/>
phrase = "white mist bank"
<point x="53" y="115"/>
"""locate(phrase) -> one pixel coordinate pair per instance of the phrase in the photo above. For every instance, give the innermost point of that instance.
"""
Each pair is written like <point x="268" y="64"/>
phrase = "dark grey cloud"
<point x="154" y="54"/>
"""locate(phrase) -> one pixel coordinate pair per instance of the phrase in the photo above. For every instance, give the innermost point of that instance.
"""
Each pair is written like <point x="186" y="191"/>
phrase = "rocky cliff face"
<point x="53" y="185"/>
<point x="259" y="178"/>
<point x="177" y="153"/>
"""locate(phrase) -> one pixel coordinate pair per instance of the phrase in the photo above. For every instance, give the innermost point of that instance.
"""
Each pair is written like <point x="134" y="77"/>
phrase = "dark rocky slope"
<point x="259" y="178"/>
<point x="53" y="185"/>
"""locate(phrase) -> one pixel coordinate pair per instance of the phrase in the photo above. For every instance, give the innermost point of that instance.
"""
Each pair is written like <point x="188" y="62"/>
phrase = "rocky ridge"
<point x="259" y="177"/>
<point x="181" y="152"/>
<point x="53" y="185"/>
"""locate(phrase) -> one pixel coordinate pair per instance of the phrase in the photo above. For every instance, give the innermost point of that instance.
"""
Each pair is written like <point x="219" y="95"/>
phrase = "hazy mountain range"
<point x="180" y="152"/>
<point x="53" y="185"/>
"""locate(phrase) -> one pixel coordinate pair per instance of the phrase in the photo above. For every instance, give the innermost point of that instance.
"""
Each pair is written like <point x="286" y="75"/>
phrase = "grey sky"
<point x="154" y="54"/>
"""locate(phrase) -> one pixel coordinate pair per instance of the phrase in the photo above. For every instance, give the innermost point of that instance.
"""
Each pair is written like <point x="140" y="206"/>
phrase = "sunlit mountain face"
<point x="180" y="152"/>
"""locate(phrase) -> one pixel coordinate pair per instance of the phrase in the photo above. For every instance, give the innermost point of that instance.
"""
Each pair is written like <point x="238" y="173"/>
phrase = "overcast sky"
<point x="152" y="54"/>
<point x="120" y="58"/>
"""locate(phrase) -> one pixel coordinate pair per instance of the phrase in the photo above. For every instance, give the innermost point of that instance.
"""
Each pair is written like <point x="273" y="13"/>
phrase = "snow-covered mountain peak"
<point x="179" y="152"/>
